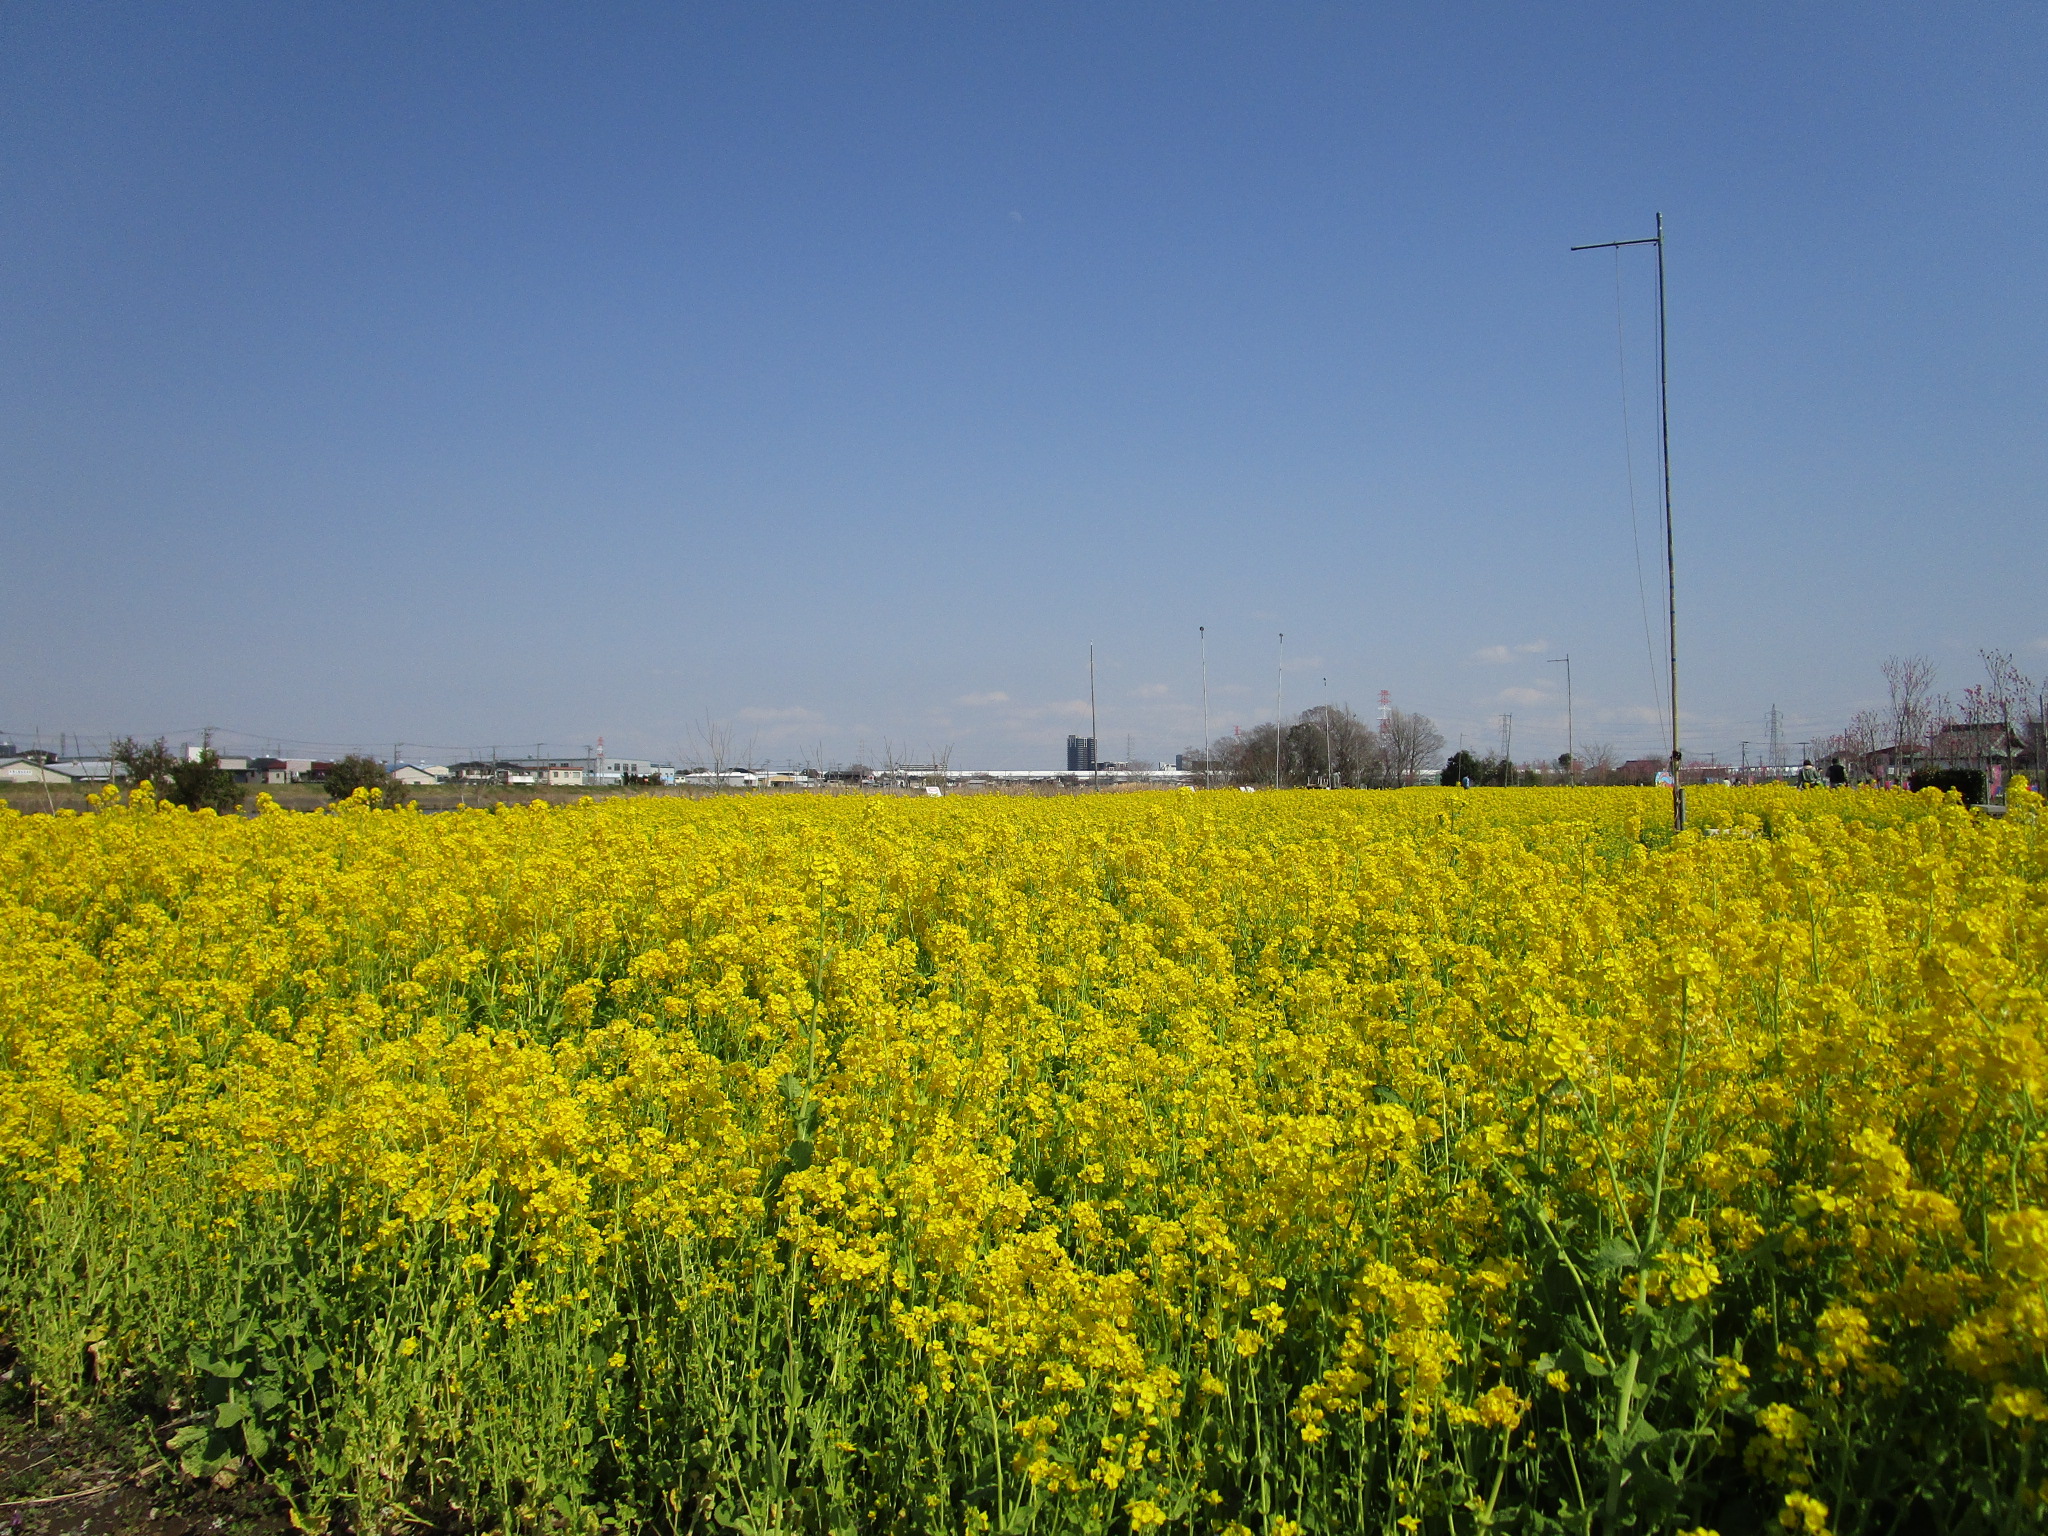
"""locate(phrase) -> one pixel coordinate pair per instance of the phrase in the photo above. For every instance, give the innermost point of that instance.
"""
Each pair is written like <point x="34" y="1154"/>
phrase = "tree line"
<point x="1324" y="747"/>
<point x="1916" y="712"/>
<point x="200" y="783"/>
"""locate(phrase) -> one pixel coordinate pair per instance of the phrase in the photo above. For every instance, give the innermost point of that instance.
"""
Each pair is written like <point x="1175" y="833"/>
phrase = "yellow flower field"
<point x="1403" y="1161"/>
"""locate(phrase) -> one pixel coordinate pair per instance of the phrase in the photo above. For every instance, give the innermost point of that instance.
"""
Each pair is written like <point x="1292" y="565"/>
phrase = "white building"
<point x="415" y="775"/>
<point x="26" y="770"/>
<point x="221" y="759"/>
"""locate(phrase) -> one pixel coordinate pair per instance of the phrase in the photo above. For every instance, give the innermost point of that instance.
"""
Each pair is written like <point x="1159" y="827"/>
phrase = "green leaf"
<point x="1582" y="1362"/>
<point x="1616" y="1253"/>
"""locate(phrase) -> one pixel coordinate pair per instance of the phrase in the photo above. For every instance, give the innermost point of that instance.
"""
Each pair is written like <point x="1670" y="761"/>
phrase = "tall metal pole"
<point x="1670" y="559"/>
<point x="1203" y="630"/>
<point x="1094" y="751"/>
<point x="1571" y="756"/>
<point x="1279" y="710"/>
<point x="1329" y="755"/>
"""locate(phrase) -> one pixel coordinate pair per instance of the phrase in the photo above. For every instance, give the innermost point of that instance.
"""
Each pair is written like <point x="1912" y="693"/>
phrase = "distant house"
<point x="234" y="765"/>
<point x="416" y="775"/>
<point x="29" y="770"/>
<point x="631" y="770"/>
<point x="86" y="770"/>
<point x="1951" y="749"/>
<point x="1974" y="746"/>
<point x="476" y="771"/>
<point x="284" y="770"/>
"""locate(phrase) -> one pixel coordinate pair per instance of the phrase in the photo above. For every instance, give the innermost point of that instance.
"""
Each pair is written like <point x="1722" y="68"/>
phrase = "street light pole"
<point x="1280" y="709"/>
<point x="1670" y="563"/>
<point x="1094" y="746"/>
<point x="1329" y="756"/>
<point x="1571" y="761"/>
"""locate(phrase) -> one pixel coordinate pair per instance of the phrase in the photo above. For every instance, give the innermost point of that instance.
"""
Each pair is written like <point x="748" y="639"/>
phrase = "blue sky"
<point x="471" y="375"/>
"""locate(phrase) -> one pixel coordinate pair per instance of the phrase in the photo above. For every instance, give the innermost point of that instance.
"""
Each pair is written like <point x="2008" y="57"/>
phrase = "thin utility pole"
<point x="43" y="773"/>
<point x="1670" y="561"/>
<point x="1571" y="760"/>
<point x="1094" y="751"/>
<point x="1280" y="710"/>
<point x="1203" y="630"/>
<point x="1329" y="756"/>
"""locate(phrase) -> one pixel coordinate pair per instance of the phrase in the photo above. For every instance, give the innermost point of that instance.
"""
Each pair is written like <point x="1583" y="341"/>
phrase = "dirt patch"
<point x="105" y="1475"/>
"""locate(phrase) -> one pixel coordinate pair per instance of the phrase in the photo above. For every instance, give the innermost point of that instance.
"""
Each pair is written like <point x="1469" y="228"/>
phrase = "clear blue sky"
<point x="461" y="375"/>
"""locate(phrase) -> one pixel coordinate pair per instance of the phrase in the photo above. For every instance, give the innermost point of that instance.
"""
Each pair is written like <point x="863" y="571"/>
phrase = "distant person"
<point x="1809" y="776"/>
<point x="1465" y="782"/>
<point x="1838" y="776"/>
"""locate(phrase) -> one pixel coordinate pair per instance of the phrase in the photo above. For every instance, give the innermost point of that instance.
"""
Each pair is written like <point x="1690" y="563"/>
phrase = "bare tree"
<point x="1410" y="742"/>
<point x="1247" y="758"/>
<point x="2004" y="693"/>
<point x="1855" y="742"/>
<point x="1910" y="715"/>
<point x="720" y="746"/>
<point x="713" y="742"/>
<point x="1330" y="745"/>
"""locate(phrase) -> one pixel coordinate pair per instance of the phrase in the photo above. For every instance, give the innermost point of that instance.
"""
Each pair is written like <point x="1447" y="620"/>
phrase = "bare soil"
<point x="105" y="1474"/>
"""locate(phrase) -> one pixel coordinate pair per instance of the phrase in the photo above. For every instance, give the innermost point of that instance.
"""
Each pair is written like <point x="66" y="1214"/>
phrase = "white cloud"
<point x="1500" y="653"/>
<point x="1022" y="717"/>
<point x="977" y="699"/>
<point x="1151" y="691"/>
<point x="1525" y="696"/>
